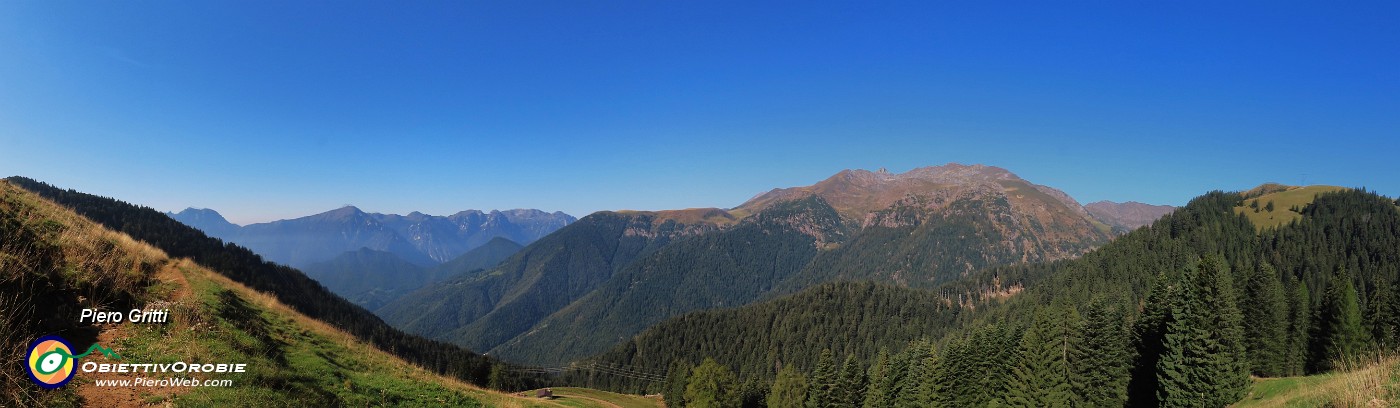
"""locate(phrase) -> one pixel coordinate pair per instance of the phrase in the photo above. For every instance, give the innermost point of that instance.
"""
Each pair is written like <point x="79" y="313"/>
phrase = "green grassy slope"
<point x="1284" y="202"/>
<point x="1374" y="385"/>
<point x="51" y="257"/>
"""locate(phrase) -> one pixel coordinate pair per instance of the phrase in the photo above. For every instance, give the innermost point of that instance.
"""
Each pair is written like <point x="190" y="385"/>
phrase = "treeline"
<point x="758" y="339"/>
<point x="288" y="285"/>
<point x="1181" y="312"/>
<point x="1190" y="347"/>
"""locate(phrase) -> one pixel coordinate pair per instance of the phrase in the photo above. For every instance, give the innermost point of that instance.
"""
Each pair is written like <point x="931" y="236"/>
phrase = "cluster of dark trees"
<point x="1180" y="313"/>
<point x="288" y="285"/>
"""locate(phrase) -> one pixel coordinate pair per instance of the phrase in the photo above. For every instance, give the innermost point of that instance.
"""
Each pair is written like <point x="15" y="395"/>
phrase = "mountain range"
<point x="597" y="282"/>
<point x="371" y="278"/>
<point x="417" y="238"/>
<point x="1125" y="217"/>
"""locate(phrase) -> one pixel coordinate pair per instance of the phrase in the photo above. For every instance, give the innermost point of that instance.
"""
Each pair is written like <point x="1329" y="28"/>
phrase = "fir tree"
<point x="1340" y="333"/>
<point x="850" y="387"/>
<point x="1105" y="369"/>
<point x="913" y="389"/>
<point x="712" y="385"/>
<point x="1148" y="336"/>
<point x="877" y="392"/>
<point x="789" y="389"/>
<point x="1299" y="326"/>
<point x="821" y="388"/>
<point x="674" y="386"/>
<point x="1265" y="322"/>
<point x="1379" y="320"/>
<point x="1045" y="375"/>
<point x="1202" y="362"/>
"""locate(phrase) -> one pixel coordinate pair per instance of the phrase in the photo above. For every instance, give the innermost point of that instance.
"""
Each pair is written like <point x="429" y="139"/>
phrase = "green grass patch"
<point x="1371" y="385"/>
<point x="289" y="364"/>
<point x="1284" y="204"/>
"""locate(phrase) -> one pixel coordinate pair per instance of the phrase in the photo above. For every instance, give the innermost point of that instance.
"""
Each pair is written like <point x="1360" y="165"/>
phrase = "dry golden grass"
<point x="45" y="248"/>
<point x="107" y="267"/>
<point x="1366" y="382"/>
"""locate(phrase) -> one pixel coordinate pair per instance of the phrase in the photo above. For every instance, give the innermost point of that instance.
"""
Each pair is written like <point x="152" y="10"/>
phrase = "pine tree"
<point x="1299" y="326"/>
<point x="1202" y="362"/>
<point x="674" y="386"/>
<point x="1340" y="334"/>
<point x="712" y="385"/>
<point x="1045" y="375"/>
<point x="821" y="388"/>
<point x="789" y="389"/>
<point x="1379" y="320"/>
<point x="1148" y="337"/>
<point x="497" y="379"/>
<point x="1265" y="322"/>
<point x="913" y="389"/>
<point x="850" y="387"/>
<point x="1105" y="369"/>
<point x="877" y="392"/>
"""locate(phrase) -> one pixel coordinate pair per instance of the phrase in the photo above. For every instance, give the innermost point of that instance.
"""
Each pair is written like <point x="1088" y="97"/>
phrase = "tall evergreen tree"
<point x="1148" y="335"/>
<point x="976" y="368"/>
<point x="1265" y="322"/>
<point x="1045" y="376"/>
<point x="1104" y="371"/>
<point x="789" y="389"/>
<point x="877" y="392"/>
<point x="674" y="387"/>
<point x="1203" y="362"/>
<point x="1299" y="326"/>
<point x="850" y="387"/>
<point x="1379" y="319"/>
<point x="1340" y="334"/>
<point x="821" y="387"/>
<point x="712" y="385"/>
<point x="913" y="389"/>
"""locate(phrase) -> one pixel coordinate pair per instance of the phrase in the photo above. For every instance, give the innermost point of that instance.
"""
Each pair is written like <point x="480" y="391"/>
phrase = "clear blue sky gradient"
<point x="266" y="110"/>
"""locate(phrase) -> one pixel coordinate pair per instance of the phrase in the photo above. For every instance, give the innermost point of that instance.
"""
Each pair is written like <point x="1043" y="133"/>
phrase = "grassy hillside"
<point x="1286" y="203"/>
<point x="1373" y="385"/>
<point x="289" y="286"/>
<point x="55" y="262"/>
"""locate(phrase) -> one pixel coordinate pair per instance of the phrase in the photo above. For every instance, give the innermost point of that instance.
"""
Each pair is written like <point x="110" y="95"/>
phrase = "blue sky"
<point x="266" y="110"/>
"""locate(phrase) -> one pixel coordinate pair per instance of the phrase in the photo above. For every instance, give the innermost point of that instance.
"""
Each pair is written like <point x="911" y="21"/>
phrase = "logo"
<point x="51" y="361"/>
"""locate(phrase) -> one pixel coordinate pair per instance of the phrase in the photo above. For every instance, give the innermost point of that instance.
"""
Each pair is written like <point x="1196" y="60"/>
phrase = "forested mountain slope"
<point x="539" y="280"/>
<point x="372" y="278"/>
<point x="919" y="228"/>
<point x="1282" y="301"/>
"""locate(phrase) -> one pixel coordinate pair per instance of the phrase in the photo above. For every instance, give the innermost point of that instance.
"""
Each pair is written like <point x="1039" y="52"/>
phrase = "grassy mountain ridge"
<point x="55" y="261"/>
<point x="287" y="285"/>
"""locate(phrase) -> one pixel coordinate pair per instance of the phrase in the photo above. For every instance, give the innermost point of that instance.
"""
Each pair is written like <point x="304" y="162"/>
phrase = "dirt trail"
<point x="109" y="335"/>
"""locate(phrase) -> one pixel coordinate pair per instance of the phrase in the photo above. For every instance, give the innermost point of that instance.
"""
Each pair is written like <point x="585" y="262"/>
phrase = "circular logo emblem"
<point x="50" y="362"/>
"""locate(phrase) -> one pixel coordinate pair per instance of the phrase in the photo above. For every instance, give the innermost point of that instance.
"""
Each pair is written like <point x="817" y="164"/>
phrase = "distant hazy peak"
<point x="204" y="213"/>
<point x="855" y="192"/>
<point x="207" y="220"/>
<point x="1127" y="216"/>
